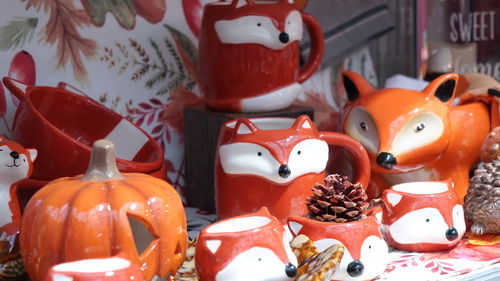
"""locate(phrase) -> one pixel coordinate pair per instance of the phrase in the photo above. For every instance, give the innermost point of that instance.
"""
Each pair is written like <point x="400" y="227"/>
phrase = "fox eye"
<point x="427" y="220"/>
<point x="289" y="22"/>
<point x="299" y="152"/>
<point x="419" y="127"/>
<point x="259" y="153"/>
<point x="369" y="246"/>
<point x="259" y="24"/>
<point x="260" y="259"/>
<point x="363" y="126"/>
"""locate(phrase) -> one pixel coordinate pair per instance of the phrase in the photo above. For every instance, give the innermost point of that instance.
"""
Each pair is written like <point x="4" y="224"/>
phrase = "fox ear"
<point x="241" y="3"/>
<point x="294" y="226"/>
<point x="303" y="122"/>
<point x="244" y="126"/>
<point x="443" y="87"/>
<point x="33" y="153"/>
<point x="355" y="85"/>
<point x="213" y="245"/>
<point x="263" y="212"/>
<point x="391" y="198"/>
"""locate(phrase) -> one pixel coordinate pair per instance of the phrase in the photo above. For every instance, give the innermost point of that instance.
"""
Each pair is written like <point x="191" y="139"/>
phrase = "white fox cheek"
<point x="425" y="225"/>
<point x="294" y="26"/>
<point x="253" y="30"/>
<point x="248" y="159"/>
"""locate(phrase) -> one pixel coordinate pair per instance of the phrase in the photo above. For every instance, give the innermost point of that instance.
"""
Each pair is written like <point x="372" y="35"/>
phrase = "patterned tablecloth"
<point x="472" y="259"/>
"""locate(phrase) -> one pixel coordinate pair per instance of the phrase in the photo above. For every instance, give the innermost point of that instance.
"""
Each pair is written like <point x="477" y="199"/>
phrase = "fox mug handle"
<point x="317" y="47"/>
<point x="357" y="151"/>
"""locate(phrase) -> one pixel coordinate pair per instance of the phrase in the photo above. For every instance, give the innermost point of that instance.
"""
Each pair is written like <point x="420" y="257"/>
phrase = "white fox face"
<point x="374" y="255"/>
<point x="260" y="30"/>
<point x="307" y="156"/>
<point x="14" y="165"/>
<point x="255" y="264"/>
<point x="426" y="225"/>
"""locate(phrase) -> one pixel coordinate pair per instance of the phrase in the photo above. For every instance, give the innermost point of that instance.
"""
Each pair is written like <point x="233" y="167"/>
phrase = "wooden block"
<point x="201" y="133"/>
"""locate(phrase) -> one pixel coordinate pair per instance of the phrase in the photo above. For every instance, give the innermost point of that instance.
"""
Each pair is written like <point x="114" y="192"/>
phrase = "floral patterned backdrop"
<point x="137" y="57"/>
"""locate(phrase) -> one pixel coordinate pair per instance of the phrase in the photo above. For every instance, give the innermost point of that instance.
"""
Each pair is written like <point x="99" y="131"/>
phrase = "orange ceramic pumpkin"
<point x="97" y="215"/>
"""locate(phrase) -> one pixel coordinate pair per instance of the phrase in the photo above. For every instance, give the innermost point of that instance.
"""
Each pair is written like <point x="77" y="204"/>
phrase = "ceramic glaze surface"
<point x="416" y="221"/>
<point x="16" y="163"/>
<point x="423" y="138"/>
<point x="249" y="54"/>
<point x="101" y="214"/>
<point x="362" y="240"/>
<point x="108" y="269"/>
<point x="261" y="253"/>
<point x="274" y="162"/>
<point x="59" y="123"/>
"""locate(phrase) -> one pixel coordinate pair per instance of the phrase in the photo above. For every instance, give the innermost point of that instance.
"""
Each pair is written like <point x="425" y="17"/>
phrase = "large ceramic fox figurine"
<point x="16" y="163"/>
<point x="415" y="135"/>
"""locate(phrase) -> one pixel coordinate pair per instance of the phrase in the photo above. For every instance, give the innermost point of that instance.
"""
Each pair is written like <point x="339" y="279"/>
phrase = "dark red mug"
<point x="63" y="125"/>
<point x="249" y="54"/>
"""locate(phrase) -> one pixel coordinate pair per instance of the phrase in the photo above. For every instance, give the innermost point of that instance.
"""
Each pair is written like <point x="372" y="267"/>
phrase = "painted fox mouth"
<point x="13" y="165"/>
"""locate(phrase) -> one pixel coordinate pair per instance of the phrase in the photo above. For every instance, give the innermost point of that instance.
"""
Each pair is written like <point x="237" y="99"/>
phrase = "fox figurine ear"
<point x="241" y="3"/>
<point x="443" y="87"/>
<point x="303" y="122"/>
<point x="391" y="198"/>
<point x="294" y="226"/>
<point x="355" y="85"/>
<point x="263" y="212"/>
<point x="244" y="126"/>
<point x="213" y="245"/>
<point x="33" y="154"/>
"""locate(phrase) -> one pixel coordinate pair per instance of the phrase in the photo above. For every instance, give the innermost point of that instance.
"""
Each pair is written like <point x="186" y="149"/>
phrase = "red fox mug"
<point x="249" y="54"/>
<point x="273" y="163"/>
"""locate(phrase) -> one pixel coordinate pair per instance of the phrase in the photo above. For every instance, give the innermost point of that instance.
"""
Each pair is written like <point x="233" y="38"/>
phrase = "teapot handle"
<point x="317" y="47"/>
<point x="357" y="151"/>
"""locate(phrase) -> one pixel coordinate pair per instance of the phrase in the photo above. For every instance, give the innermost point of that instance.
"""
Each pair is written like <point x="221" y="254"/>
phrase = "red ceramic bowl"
<point x="62" y="126"/>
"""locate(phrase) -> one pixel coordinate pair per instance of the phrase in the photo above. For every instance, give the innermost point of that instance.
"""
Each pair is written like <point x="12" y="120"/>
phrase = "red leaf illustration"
<point x="431" y="264"/>
<point x="22" y="68"/>
<point x="170" y="166"/>
<point x="145" y="106"/>
<point x="155" y="101"/>
<point x="139" y="121"/>
<point x="157" y="129"/>
<point x="173" y="112"/>
<point x="435" y="269"/>
<point x="3" y="104"/>
<point x="193" y="11"/>
<point x="152" y="10"/>
<point x="150" y="119"/>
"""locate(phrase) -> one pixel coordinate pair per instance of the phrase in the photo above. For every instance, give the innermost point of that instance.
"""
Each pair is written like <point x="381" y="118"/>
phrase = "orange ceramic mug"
<point x="422" y="216"/>
<point x="274" y="162"/>
<point x="106" y="269"/>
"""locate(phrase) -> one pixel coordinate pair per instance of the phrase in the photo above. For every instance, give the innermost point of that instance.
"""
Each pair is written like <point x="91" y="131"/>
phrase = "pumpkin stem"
<point x="102" y="165"/>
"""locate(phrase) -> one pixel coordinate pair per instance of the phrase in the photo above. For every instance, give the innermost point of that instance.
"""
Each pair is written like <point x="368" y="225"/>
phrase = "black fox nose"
<point x="386" y="160"/>
<point x="284" y="171"/>
<point x="14" y="154"/>
<point x="284" y="38"/>
<point x="355" y="268"/>
<point x="451" y="234"/>
<point x="290" y="270"/>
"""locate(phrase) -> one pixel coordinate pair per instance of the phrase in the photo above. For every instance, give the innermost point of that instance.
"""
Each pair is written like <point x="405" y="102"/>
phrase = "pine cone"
<point x="482" y="202"/>
<point x="338" y="200"/>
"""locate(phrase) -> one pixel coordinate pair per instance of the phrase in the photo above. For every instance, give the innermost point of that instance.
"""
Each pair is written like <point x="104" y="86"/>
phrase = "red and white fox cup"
<point x="249" y="57"/>
<point x="422" y="216"/>
<point x="248" y="247"/>
<point x="366" y="253"/>
<point x="274" y="162"/>
<point x="106" y="269"/>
